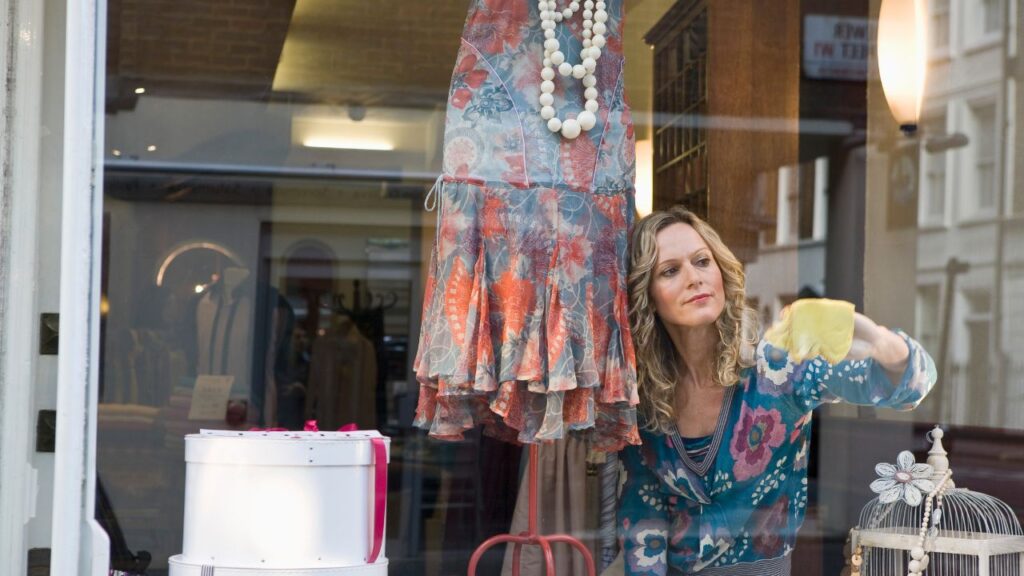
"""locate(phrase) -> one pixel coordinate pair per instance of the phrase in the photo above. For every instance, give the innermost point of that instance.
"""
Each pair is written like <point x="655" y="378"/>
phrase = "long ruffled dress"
<point x="525" y="325"/>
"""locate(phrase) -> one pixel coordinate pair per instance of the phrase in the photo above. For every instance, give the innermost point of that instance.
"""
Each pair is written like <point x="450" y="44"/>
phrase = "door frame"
<point x="30" y="202"/>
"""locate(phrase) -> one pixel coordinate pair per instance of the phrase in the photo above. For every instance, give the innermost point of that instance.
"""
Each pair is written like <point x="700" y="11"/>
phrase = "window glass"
<point x="272" y="207"/>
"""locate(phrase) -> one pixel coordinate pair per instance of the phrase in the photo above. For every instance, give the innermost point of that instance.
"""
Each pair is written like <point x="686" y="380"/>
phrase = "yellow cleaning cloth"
<point x="813" y="327"/>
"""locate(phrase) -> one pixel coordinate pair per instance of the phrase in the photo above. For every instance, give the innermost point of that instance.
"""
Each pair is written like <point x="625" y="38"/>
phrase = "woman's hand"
<point x="884" y="346"/>
<point x="876" y="342"/>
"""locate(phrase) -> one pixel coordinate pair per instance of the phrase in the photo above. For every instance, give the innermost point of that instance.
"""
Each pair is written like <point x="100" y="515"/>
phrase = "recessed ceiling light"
<point x="140" y="90"/>
<point x="348" y="144"/>
<point x="116" y="152"/>
<point x="151" y="148"/>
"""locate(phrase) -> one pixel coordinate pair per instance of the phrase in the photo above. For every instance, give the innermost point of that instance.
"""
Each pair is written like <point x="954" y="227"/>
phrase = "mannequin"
<point x="223" y="324"/>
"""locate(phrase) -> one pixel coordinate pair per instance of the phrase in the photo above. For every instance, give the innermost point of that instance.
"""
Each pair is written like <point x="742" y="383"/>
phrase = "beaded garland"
<point x="594" y="28"/>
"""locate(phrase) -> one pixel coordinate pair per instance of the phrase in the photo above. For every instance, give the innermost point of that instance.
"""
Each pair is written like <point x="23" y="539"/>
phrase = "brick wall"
<point x="226" y="41"/>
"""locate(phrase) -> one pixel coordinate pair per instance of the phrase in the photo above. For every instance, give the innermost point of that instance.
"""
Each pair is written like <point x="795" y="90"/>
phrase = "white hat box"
<point x="283" y="503"/>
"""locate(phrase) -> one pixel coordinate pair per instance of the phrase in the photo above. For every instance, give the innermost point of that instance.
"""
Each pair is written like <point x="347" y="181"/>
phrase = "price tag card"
<point x="210" y="397"/>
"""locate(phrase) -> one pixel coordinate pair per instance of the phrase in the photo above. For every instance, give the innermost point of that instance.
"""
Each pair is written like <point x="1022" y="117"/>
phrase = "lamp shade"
<point x="902" y="59"/>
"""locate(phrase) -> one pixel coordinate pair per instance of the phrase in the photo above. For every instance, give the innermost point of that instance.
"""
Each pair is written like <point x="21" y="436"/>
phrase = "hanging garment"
<point x="342" y="379"/>
<point x="525" y="323"/>
<point x="224" y="333"/>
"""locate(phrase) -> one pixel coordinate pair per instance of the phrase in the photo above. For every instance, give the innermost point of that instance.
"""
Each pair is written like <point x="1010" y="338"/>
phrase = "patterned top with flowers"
<point x="742" y="512"/>
<point x="525" y="326"/>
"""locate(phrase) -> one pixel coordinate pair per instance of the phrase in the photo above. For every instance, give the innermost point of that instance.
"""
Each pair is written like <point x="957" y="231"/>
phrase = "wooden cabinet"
<point x="726" y="109"/>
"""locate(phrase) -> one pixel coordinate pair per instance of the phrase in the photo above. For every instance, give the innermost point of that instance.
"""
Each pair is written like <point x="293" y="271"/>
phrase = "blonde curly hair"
<point x="658" y="368"/>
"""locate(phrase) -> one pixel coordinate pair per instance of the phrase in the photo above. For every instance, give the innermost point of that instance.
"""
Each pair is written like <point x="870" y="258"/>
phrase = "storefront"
<point x="225" y="201"/>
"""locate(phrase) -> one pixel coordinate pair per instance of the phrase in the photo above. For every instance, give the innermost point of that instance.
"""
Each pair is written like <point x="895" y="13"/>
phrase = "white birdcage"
<point x="934" y="528"/>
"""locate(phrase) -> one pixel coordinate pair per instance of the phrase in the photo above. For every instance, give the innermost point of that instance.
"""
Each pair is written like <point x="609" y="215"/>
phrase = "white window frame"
<point x="22" y="91"/>
<point x="77" y="543"/>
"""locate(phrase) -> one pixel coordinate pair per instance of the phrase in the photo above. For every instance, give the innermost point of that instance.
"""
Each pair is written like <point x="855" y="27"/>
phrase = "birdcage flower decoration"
<point x="906" y="480"/>
<point x="922" y="524"/>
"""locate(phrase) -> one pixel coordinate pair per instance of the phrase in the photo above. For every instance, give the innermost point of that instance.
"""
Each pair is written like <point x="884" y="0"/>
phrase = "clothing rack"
<point x="367" y="311"/>
<point x="378" y="301"/>
<point x="531" y="537"/>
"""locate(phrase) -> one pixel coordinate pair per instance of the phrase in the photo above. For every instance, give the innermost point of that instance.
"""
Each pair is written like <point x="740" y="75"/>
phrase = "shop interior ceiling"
<point x="397" y="53"/>
<point x="394" y="55"/>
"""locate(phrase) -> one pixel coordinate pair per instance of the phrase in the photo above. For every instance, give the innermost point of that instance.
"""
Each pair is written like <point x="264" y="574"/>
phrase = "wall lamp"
<point x="902" y="59"/>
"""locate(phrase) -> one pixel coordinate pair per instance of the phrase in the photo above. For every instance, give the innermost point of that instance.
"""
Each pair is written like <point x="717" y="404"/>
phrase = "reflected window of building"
<point x="939" y="26"/>
<point x="934" y="163"/>
<point x="978" y="373"/>
<point x="992" y="17"/>
<point x="789" y="205"/>
<point x="801" y="203"/>
<point x="1013" y="331"/>
<point x="983" y="182"/>
<point x="928" y="315"/>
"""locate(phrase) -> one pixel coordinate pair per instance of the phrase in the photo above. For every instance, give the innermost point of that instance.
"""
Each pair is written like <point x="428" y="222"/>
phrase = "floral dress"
<point x="525" y="325"/>
<point x="738" y="511"/>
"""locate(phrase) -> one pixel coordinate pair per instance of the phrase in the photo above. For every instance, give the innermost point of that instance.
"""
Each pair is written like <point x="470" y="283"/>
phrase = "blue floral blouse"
<point x="745" y="502"/>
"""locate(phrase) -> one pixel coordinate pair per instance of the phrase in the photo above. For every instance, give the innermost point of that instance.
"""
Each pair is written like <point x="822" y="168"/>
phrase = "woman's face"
<point x="687" y="284"/>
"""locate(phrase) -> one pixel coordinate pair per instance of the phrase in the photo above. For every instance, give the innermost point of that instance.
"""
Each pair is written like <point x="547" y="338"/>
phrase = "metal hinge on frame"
<point x="49" y="333"/>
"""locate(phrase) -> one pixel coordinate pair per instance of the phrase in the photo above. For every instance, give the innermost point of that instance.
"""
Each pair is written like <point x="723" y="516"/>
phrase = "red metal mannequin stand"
<point x="530" y="536"/>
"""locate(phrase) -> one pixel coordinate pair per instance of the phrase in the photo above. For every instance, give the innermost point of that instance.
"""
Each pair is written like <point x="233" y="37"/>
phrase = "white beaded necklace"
<point x="919" y="554"/>
<point x="594" y="18"/>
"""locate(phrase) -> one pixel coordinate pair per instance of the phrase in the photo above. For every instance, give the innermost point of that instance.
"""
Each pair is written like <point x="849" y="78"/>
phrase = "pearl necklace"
<point x="594" y="29"/>
<point x="919" y="554"/>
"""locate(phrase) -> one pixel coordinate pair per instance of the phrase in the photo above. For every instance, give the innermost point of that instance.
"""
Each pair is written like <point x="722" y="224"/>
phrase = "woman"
<point x="719" y="485"/>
